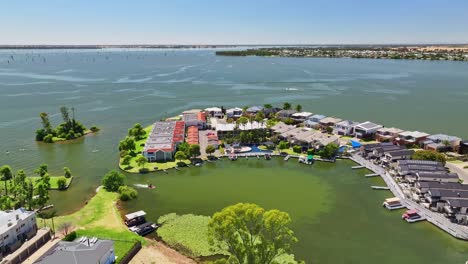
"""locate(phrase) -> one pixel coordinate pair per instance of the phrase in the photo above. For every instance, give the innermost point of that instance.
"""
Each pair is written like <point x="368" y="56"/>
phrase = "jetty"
<point x="372" y="175"/>
<point x="358" y="167"/>
<point x="380" y="187"/>
<point x="457" y="231"/>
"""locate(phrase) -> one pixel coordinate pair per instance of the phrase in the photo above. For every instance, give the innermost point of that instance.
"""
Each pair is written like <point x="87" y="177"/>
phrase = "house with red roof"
<point x="163" y="140"/>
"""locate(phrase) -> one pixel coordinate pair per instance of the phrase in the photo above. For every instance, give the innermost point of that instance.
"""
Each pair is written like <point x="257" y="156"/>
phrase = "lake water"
<point x="116" y="88"/>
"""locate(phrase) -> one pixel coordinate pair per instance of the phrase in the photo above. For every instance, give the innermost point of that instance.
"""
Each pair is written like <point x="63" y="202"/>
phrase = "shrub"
<point x="94" y="129"/>
<point x="127" y="193"/>
<point x="62" y="183"/>
<point x="67" y="172"/>
<point x="181" y="164"/>
<point x="70" y="236"/>
<point x="429" y="155"/>
<point x="49" y="138"/>
<point x="113" y="180"/>
<point x="297" y="149"/>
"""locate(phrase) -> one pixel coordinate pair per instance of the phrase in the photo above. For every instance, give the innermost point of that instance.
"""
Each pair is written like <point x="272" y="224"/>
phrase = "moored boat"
<point x="393" y="203"/>
<point x="412" y="216"/>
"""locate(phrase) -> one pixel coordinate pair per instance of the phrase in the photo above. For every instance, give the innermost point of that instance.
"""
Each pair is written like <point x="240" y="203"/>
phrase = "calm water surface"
<point x="338" y="219"/>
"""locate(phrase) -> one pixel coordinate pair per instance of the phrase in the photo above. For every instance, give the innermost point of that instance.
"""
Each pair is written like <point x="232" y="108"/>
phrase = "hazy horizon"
<point x="242" y="22"/>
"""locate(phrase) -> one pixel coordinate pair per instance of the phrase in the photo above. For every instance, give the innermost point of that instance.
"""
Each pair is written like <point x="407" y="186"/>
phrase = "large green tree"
<point x="243" y="121"/>
<point x="286" y="106"/>
<point x="113" y="180"/>
<point x="429" y="155"/>
<point x="137" y="131"/>
<point x="42" y="170"/>
<point x="210" y="149"/>
<point x="194" y="150"/>
<point x="252" y="235"/>
<point x="329" y="151"/>
<point x="180" y="155"/>
<point x="127" y="144"/>
<point x="141" y="161"/>
<point x="7" y="175"/>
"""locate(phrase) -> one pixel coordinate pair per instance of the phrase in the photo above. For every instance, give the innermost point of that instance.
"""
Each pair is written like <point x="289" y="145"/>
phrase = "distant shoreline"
<point x="176" y="46"/>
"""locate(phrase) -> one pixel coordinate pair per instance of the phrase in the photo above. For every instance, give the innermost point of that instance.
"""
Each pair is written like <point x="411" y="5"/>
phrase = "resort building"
<point x="194" y="117"/>
<point x="281" y="127"/>
<point x="437" y="176"/>
<point x="313" y="121"/>
<point x="214" y="112"/>
<point x="424" y="186"/>
<point x="192" y="135"/>
<point x="345" y="128"/>
<point x="411" y="138"/>
<point x="285" y="114"/>
<point x="387" y="134"/>
<point x="329" y="122"/>
<point x="271" y="111"/>
<point x="377" y="150"/>
<point x="301" y="116"/>
<point x="81" y="251"/>
<point x="411" y="167"/>
<point x="212" y="139"/>
<point x="163" y="140"/>
<point x="458" y="208"/>
<point x="306" y="137"/>
<point x="16" y="226"/>
<point x="366" y="129"/>
<point x="393" y="156"/>
<point x="234" y="112"/>
<point x="253" y="110"/>
<point x="441" y="142"/>
<point x="463" y="149"/>
<point x="222" y="128"/>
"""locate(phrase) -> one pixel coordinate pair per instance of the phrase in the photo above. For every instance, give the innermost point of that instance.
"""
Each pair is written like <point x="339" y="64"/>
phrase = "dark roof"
<point x="458" y="202"/>
<point x="420" y="162"/>
<point x="76" y="252"/>
<point x="444" y="194"/>
<point x="442" y="185"/>
<point x="402" y="152"/>
<point x="444" y="175"/>
<point x="371" y="147"/>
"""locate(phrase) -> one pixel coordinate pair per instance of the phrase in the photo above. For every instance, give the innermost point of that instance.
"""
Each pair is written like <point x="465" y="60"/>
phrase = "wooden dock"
<point x="380" y="187"/>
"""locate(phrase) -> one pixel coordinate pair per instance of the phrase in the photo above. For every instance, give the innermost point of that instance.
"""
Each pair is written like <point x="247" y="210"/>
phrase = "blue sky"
<point x="233" y="22"/>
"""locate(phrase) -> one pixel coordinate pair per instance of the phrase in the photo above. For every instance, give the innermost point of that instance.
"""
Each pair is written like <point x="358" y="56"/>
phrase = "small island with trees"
<point x="68" y="130"/>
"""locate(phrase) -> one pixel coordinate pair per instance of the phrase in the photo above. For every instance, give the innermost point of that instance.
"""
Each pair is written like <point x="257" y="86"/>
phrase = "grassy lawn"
<point x="188" y="234"/>
<point x="100" y="218"/>
<point x="151" y="166"/>
<point x="53" y="182"/>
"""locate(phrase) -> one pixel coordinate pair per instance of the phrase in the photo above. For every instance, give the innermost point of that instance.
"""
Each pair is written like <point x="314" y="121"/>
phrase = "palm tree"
<point x="299" y="108"/>
<point x="7" y="174"/>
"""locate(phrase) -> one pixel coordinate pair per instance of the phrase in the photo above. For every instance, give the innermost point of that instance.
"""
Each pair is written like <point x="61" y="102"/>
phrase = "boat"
<point x="197" y="164"/>
<point x="134" y="219"/>
<point x="151" y="186"/>
<point x="412" y="216"/>
<point x="144" y="228"/>
<point x="267" y="156"/>
<point x="233" y="157"/>
<point x="393" y="203"/>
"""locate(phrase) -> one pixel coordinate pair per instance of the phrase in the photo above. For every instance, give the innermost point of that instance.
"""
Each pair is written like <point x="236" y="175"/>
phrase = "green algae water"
<point x="336" y="215"/>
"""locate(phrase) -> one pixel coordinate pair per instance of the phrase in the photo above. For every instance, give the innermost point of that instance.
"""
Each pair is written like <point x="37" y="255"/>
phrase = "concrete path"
<point x="459" y="169"/>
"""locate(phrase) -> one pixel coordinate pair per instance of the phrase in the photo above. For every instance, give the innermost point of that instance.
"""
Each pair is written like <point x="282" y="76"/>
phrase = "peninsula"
<point x="449" y="53"/>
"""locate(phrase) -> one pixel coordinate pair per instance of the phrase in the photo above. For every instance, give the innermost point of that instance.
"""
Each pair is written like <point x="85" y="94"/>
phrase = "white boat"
<point x="393" y="204"/>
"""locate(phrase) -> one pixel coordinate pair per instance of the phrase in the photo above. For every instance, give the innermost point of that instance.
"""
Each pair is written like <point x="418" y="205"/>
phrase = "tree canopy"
<point x="137" y="131"/>
<point x="127" y="144"/>
<point x="194" y="150"/>
<point x="180" y="155"/>
<point x="69" y="129"/>
<point x="286" y="106"/>
<point x="113" y="180"/>
<point x="252" y="235"/>
<point x="329" y="151"/>
<point x="429" y="155"/>
<point x="210" y="149"/>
